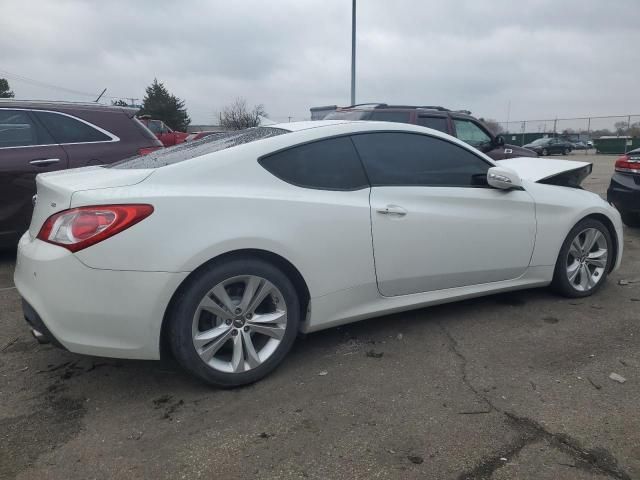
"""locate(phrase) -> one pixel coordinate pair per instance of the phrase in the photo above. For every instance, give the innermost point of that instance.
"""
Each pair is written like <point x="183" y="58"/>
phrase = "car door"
<point x="84" y="142"/>
<point x="25" y="151"/>
<point x="435" y="222"/>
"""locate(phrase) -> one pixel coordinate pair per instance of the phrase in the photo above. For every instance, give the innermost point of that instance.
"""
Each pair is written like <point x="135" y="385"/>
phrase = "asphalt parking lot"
<point x="511" y="386"/>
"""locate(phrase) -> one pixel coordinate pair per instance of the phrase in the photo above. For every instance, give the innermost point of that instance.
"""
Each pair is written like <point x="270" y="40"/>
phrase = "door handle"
<point x="43" y="162"/>
<point x="392" y="210"/>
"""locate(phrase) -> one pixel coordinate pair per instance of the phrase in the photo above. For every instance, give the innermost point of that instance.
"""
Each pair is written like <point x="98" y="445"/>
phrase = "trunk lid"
<point x="55" y="189"/>
<point x="567" y="173"/>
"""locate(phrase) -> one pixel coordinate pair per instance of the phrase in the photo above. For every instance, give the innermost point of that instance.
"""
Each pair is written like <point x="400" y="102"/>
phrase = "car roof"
<point x="62" y="105"/>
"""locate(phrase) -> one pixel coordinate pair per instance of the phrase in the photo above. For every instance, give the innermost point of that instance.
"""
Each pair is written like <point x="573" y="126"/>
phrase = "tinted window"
<point x="400" y="117"/>
<point x="18" y="130"/>
<point x="471" y="133"/>
<point x="197" y="148"/>
<point x="328" y="164"/>
<point x="69" y="130"/>
<point x="412" y="159"/>
<point x="437" y="123"/>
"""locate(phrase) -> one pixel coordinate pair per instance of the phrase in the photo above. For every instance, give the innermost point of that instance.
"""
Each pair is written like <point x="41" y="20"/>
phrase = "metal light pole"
<point x="353" y="53"/>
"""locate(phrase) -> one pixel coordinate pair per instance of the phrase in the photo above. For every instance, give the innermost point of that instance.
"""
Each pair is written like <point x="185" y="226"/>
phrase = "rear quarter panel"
<point x="325" y="234"/>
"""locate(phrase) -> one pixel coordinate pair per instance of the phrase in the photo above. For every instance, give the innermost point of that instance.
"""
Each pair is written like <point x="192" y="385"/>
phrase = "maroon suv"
<point x="38" y="137"/>
<point x="460" y="124"/>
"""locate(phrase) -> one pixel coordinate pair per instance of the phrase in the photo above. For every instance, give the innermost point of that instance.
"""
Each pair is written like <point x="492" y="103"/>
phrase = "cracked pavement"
<point x="511" y="386"/>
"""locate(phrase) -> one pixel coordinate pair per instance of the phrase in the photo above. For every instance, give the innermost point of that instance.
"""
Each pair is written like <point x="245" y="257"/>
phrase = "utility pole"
<point x="353" y="53"/>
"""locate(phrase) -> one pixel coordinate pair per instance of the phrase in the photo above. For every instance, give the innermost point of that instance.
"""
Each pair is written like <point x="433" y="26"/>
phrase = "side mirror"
<point x="498" y="141"/>
<point x="503" y="178"/>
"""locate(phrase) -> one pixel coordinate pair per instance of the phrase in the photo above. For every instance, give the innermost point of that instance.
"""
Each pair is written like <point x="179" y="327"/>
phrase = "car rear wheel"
<point x="630" y="219"/>
<point x="234" y="322"/>
<point x="584" y="260"/>
<point x="565" y="151"/>
<point x="545" y="152"/>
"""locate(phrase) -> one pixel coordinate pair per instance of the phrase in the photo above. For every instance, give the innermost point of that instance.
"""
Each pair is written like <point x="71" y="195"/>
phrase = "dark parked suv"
<point x="460" y="124"/>
<point x="38" y="137"/>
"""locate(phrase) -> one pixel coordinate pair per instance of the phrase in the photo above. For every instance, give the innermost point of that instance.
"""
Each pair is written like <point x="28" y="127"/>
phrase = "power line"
<point x="39" y="83"/>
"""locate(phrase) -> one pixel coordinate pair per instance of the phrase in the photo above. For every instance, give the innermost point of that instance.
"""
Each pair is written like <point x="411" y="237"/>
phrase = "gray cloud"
<point x="548" y="58"/>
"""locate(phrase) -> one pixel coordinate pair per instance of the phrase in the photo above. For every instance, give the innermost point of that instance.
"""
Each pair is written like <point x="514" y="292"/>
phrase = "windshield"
<point x="197" y="148"/>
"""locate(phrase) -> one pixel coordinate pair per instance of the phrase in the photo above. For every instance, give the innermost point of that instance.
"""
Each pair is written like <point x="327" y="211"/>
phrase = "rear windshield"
<point x="197" y="148"/>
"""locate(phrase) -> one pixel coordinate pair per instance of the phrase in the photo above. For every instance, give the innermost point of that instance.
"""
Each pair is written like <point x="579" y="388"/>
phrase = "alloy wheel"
<point x="587" y="259"/>
<point x="239" y="324"/>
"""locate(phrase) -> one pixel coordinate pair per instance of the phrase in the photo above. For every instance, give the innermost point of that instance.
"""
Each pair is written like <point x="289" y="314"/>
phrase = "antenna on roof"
<point x="100" y="96"/>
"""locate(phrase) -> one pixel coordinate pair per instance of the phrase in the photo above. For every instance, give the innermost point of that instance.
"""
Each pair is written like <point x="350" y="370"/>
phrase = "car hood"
<point x="557" y="172"/>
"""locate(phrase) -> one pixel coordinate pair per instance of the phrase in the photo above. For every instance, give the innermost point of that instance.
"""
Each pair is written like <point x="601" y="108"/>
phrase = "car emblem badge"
<point x="34" y="199"/>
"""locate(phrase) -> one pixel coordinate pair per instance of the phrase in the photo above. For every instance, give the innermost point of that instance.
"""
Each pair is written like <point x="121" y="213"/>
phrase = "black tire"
<point x="630" y="219"/>
<point x="194" y="290"/>
<point x="565" y="151"/>
<point x="561" y="283"/>
<point x="545" y="152"/>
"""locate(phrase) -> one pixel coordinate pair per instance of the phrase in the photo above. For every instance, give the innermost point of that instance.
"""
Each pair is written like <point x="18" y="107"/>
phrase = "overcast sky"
<point x="547" y="58"/>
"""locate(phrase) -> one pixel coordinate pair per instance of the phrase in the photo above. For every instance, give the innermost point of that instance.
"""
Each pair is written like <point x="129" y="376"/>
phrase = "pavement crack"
<point x="453" y="346"/>
<point x="596" y="459"/>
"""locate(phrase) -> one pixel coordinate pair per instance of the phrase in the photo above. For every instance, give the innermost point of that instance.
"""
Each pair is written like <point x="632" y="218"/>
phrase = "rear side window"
<point x="197" y="148"/>
<point x="18" y="130"/>
<point x="331" y="164"/>
<point x="437" y="123"/>
<point x="382" y="116"/>
<point x="70" y="130"/>
<point x="405" y="159"/>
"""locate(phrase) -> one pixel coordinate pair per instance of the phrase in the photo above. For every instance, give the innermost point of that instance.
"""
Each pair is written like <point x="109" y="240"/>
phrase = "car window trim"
<point x="464" y="147"/>
<point x="307" y="142"/>
<point x="113" y="138"/>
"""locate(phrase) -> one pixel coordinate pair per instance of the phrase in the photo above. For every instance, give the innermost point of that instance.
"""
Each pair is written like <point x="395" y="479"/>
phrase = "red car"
<point x="165" y="134"/>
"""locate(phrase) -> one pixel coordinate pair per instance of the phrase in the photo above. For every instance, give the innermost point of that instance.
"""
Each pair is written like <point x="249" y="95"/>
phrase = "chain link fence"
<point x="608" y="134"/>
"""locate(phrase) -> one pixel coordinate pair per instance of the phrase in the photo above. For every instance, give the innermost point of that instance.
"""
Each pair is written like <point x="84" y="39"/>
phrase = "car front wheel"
<point x="584" y="260"/>
<point x="234" y="322"/>
<point x="545" y="152"/>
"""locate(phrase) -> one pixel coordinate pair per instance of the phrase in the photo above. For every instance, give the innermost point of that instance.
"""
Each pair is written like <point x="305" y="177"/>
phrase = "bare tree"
<point x="237" y="116"/>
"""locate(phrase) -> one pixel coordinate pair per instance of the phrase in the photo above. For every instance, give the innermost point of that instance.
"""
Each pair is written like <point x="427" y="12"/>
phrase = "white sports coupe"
<point x="220" y="251"/>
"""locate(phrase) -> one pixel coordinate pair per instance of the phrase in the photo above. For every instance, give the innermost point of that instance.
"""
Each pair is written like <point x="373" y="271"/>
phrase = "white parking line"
<point x="7" y="288"/>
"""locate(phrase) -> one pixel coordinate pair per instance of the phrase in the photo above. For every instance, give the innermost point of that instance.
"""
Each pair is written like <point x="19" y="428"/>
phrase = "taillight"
<point x="628" y="164"/>
<point x="82" y="227"/>
<point x="148" y="150"/>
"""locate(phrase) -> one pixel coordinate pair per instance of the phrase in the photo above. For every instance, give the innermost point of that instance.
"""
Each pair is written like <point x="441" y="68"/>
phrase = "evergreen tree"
<point x="4" y="89"/>
<point x="161" y="105"/>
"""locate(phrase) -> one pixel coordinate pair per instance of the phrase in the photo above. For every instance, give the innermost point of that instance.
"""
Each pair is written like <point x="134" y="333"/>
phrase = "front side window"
<point x="18" y="130"/>
<point x="405" y="159"/>
<point x="471" y="133"/>
<point x="437" y="123"/>
<point x="331" y="164"/>
<point x="70" y="130"/>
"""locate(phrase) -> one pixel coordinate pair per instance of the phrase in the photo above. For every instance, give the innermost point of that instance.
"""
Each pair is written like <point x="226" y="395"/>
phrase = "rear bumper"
<point x="105" y="313"/>
<point x="624" y="192"/>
